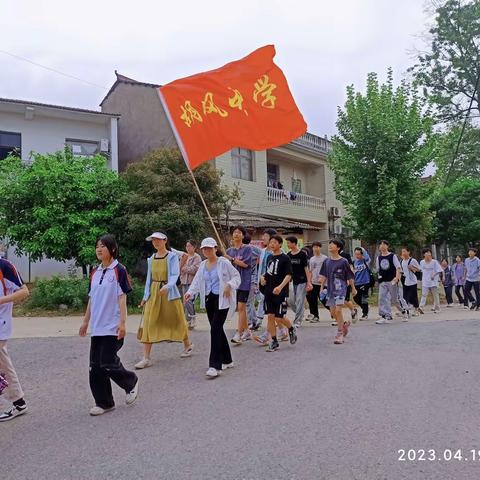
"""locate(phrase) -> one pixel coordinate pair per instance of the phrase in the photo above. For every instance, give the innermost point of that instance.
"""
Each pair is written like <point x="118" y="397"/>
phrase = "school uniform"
<point x="107" y="284"/>
<point x="10" y="282"/>
<point x="210" y="285"/>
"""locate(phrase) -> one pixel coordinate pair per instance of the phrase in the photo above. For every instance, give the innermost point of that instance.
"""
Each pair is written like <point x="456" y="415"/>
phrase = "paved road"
<point x="310" y="411"/>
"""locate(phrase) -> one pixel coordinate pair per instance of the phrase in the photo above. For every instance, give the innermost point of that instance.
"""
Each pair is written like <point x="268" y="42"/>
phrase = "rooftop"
<point x="57" y="107"/>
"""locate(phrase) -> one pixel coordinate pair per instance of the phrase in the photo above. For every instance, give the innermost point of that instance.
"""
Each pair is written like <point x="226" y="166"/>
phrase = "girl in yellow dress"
<point x="164" y="317"/>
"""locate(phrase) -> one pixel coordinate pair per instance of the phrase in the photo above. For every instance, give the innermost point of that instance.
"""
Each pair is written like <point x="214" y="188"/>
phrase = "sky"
<point x="322" y="46"/>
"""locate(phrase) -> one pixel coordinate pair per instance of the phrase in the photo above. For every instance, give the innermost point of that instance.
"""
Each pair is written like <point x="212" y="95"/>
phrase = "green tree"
<point x="383" y="144"/>
<point x="450" y="70"/>
<point x="57" y="204"/>
<point x="466" y="163"/>
<point x="161" y="195"/>
<point x="457" y="213"/>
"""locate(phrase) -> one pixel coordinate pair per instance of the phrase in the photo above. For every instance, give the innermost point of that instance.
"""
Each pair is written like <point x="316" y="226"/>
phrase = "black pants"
<point x="105" y="365"/>
<point x="410" y="295"/>
<point x="361" y="298"/>
<point x="468" y="292"/>
<point x="458" y="292"/>
<point x="449" y="293"/>
<point x="312" y="298"/>
<point x="219" y="347"/>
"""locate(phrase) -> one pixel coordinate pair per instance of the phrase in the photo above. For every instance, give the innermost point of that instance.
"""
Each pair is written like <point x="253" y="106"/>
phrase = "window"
<point x="272" y="173"/>
<point x="83" y="148"/>
<point x="296" y="185"/>
<point x="10" y="143"/>
<point x="242" y="164"/>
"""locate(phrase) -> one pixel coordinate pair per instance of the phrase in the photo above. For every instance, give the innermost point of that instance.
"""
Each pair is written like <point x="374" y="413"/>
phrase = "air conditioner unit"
<point x="104" y="145"/>
<point x="337" y="229"/>
<point x="334" y="212"/>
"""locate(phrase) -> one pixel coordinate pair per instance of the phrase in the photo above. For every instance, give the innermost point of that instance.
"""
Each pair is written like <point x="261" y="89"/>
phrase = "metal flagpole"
<point x="185" y="159"/>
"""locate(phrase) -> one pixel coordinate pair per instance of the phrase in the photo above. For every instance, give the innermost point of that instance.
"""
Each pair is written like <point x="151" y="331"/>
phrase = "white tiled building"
<point x="27" y="127"/>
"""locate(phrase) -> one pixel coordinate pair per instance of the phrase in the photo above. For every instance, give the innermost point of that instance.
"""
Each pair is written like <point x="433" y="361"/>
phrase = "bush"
<point x="50" y="293"/>
<point x="53" y="292"/>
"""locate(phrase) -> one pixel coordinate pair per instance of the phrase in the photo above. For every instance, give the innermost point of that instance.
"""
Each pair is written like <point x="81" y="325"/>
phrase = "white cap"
<point x="208" y="242"/>
<point x="159" y="235"/>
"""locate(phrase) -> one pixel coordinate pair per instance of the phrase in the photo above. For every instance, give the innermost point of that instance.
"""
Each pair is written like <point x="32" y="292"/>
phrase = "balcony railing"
<point x="284" y="197"/>
<point x="313" y="142"/>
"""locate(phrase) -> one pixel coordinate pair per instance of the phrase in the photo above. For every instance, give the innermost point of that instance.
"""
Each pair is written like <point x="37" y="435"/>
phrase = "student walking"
<point x="459" y="277"/>
<point x="301" y="283"/>
<point x="262" y="268"/>
<point x="241" y="257"/>
<point x="107" y="314"/>
<point x="314" y="266"/>
<point x="362" y="279"/>
<point x="189" y="264"/>
<point x="337" y="274"/>
<point x="254" y="295"/>
<point x="275" y="289"/>
<point x="431" y="270"/>
<point x="12" y="290"/>
<point x="163" y="316"/>
<point x="472" y="280"/>
<point x="348" y="299"/>
<point x="216" y="281"/>
<point x="389" y="275"/>
<point x="410" y="268"/>
<point x="447" y="281"/>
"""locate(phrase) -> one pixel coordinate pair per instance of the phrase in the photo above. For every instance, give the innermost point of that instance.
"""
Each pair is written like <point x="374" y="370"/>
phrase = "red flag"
<point x="246" y="103"/>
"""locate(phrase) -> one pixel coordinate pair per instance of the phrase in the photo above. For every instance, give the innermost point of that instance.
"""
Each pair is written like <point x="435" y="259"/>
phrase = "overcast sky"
<point x="322" y="46"/>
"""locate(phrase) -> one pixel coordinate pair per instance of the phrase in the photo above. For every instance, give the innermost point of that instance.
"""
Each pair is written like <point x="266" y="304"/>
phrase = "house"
<point x="27" y="127"/>
<point x="289" y="188"/>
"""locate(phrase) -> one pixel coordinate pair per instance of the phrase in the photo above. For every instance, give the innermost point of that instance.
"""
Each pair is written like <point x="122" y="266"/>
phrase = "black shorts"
<point x="242" y="296"/>
<point x="275" y="305"/>
<point x="349" y="293"/>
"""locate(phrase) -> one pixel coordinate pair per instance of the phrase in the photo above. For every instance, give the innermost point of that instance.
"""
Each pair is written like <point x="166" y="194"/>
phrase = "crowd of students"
<point x="254" y="282"/>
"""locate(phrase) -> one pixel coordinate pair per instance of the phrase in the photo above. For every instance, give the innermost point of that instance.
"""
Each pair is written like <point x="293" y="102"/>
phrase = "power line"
<point x="18" y="57"/>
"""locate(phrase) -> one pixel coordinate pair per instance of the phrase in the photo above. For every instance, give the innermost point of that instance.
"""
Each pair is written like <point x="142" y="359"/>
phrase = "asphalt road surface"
<point x="310" y="411"/>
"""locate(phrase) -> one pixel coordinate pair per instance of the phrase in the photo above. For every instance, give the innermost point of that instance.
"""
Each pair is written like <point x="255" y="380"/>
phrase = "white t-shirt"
<point x="315" y="264"/>
<point x="410" y="277"/>
<point x="11" y="282"/>
<point x="432" y="268"/>
<point x="106" y="285"/>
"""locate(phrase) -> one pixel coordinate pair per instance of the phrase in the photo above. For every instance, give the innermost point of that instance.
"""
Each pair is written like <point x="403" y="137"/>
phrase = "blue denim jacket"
<point x="173" y="265"/>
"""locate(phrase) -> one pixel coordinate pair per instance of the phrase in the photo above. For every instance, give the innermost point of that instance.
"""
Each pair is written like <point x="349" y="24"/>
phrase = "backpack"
<point x="371" y="276"/>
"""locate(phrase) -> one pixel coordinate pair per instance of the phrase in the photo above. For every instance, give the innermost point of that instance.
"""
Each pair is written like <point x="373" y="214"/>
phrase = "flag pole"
<point x="185" y="159"/>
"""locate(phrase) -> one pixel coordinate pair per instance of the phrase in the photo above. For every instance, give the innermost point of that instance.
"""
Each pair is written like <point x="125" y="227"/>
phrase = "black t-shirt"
<point x="278" y="267"/>
<point x="347" y="256"/>
<point x="299" y="262"/>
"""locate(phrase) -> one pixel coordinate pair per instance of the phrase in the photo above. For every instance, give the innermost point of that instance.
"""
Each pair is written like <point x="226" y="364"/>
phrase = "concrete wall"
<point x="143" y="125"/>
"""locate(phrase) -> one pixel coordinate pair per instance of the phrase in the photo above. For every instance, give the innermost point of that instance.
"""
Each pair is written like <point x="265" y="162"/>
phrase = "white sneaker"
<point x="310" y="317"/>
<point x="95" y="411"/>
<point x="12" y="412"/>
<point x="364" y="318"/>
<point x="143" y="363"/>
<point x="187" y="352"/>
<point x="226" y="366"/>
<point x="212" y="372"/>
<point x="383" y="321"/>
<point x="237" y="339"/>
<point x="246" y="335"/>
<point x="132" y="396"/>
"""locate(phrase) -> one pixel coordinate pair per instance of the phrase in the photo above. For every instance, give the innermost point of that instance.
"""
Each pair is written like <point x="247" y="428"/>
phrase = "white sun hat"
<point x="159" y="235"/>
<point x="208" y="242"/>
